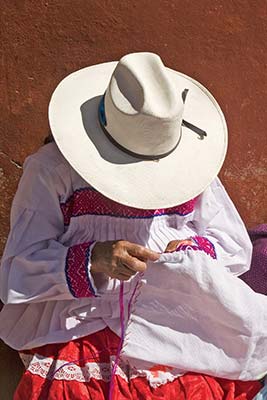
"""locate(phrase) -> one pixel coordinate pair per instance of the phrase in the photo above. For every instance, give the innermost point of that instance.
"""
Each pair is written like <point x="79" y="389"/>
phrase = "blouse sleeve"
<point x="217" y="222"/>
<point x="35" y="266"/>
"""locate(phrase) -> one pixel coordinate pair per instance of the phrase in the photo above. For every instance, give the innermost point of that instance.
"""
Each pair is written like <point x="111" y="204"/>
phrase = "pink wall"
<point x="220" y="43"/>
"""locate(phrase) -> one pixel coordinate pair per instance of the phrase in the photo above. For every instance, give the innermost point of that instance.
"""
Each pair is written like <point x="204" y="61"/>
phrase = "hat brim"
<point x="145" y="184"/>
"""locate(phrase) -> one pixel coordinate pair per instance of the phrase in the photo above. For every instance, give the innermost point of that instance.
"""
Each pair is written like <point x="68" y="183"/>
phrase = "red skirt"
<point x="81" y="369"/>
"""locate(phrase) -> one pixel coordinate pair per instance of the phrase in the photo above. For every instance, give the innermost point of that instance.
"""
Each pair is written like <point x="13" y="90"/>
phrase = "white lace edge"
<point x="48" y="368"/>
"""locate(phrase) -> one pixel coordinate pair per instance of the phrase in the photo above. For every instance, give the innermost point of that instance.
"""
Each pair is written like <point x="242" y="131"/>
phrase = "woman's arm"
<point x="35" y="265"/>
<point x="216" y="219"/>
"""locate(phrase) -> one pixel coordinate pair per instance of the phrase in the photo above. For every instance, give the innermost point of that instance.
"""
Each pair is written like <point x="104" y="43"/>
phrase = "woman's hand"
<point x="120" y="259"/>
<point x="172" y="246"/>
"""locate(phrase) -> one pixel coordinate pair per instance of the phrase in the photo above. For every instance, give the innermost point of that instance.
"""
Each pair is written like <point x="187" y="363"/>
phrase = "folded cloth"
<point x="199" y="318"/>
<point x="256" y="277"/>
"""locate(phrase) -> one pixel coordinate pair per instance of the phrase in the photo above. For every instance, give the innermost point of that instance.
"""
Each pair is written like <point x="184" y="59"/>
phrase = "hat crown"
<point x="140" y="83"/>
<point x="143" y="107"/>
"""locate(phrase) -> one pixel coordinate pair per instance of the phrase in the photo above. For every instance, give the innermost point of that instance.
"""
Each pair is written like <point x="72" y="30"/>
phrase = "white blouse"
<point x="45" y="281"/>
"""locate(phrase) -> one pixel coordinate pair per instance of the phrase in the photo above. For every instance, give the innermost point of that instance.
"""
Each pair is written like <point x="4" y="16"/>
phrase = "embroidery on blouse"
<point x="76" y="270"/>
<point x="88" y="201"/>
<point x="199" y="243"/>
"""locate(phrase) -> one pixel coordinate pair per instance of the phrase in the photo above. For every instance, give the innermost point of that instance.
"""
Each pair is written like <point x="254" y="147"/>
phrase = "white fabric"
<point x="39" y="307"/>
<point x="193" y="316"/>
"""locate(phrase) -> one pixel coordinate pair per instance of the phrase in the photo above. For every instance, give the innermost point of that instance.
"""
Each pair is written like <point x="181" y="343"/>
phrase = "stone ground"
<point x="221" y="44"/>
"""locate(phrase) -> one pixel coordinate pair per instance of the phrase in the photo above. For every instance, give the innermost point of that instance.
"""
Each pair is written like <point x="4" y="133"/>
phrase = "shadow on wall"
<point x="11" y="374"/>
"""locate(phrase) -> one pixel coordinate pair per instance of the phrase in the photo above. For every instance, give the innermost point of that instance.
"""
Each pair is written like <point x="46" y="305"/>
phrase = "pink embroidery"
<point x="76" y="270"/>
<point x="199" y="243"/>
<point x="89" y="201"/>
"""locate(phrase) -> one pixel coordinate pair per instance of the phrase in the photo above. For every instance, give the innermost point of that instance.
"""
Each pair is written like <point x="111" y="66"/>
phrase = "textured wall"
<point x="220" y="43"/>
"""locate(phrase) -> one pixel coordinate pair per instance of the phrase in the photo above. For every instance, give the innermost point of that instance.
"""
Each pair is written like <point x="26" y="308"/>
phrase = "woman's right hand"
<point x="120" y="259"/>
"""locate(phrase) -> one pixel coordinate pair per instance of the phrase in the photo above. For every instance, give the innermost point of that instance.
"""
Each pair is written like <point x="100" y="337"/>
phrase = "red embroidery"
<point x="76" y="270"/>
<point x="156" y="369"/>
<point x="199" y="243"/>
<point x="89" y="201"/>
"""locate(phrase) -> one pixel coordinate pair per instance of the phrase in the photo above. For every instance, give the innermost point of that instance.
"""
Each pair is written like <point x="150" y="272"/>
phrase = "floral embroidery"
<point x="157" y="369"/>
<point x="198" y="243"/>
<point x="88" y="201"/>
<point x="76" y="270"/>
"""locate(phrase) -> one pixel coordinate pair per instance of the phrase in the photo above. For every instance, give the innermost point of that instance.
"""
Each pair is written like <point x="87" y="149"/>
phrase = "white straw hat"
<point x="140" y="133"/>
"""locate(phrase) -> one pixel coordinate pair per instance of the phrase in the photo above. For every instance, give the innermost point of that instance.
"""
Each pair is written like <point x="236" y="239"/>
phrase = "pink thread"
<point x="131" y="299"/>
<point x="111" y="387"/>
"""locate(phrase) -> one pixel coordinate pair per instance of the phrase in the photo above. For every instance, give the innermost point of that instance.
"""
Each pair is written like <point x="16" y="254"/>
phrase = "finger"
<point x="134" y="264"/>
<point x="172" y="246"/>
<point x="123" y="268"/>
<point x="141" y="252"/>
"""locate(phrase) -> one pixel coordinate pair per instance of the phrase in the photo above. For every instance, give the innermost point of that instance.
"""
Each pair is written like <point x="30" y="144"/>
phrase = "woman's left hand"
<point x="173" y="244"/>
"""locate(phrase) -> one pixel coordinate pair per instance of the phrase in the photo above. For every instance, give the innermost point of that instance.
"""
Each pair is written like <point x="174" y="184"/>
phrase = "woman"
<point x="140" y="147"/>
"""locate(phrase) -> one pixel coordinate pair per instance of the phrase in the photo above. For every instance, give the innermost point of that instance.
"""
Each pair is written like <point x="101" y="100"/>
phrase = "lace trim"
<point x="48" y="368"/>
<point x="198" y="243"/>
<point x="88" y="201"/>
<point x="76" y="270"/>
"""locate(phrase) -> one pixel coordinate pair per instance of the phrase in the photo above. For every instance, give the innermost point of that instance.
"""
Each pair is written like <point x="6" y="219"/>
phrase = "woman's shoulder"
<point x="47" y="156"/>
<point x="46" y="168"/>
<point x="49" y="165"/>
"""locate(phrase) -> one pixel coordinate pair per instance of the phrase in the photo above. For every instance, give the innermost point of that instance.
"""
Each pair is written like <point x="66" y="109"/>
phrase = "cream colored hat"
<point x="140" y="133"/>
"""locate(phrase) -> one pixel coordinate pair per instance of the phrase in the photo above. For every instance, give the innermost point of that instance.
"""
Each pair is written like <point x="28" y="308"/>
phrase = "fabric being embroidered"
<point x="88" y="201"/>
<point x="198" y="243"/>
<point x="76" y="270"/>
